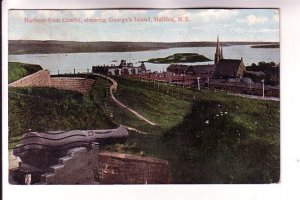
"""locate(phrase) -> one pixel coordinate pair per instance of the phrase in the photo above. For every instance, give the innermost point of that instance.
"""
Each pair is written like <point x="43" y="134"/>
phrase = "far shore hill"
<point x="54" y="46"/>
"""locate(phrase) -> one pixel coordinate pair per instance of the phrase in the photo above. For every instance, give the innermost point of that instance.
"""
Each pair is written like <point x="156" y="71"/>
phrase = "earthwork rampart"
<point x="38" y="79"/>
<point x="42" y="78"/>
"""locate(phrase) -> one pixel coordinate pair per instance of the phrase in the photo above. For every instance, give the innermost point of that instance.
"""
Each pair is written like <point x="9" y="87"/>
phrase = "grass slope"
<point x="42" y="109"/>
<point x="18" y="70"/>
<point x="207" y="137"/>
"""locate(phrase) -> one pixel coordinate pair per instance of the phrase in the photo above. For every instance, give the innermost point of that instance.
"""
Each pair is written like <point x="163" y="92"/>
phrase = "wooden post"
<point x="208" y="82"/>
<point x="198" y="81"/>
<point x="263" y="87"/>
<point x="74" y="70"/>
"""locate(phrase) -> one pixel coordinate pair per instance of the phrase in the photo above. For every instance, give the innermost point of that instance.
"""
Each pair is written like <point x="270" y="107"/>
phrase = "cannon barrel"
<point x="42" y="149"/>
<point x="60" y="140"/>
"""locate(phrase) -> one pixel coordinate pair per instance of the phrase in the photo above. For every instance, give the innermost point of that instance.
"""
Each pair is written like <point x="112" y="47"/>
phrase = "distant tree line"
<point x="269" y="72"/>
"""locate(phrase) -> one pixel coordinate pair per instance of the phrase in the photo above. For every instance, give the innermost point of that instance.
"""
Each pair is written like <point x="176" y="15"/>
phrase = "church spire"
<point x="221" y="55"/>
<point x="218" y="53"/>
<point x="218" y="46"/>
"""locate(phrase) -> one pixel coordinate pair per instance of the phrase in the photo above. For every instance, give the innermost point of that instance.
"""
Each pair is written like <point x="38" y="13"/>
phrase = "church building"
<point x="227" y="68"/>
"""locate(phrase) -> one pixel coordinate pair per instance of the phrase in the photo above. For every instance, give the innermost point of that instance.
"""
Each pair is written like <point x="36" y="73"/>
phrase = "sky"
<point x="197" y="25"/>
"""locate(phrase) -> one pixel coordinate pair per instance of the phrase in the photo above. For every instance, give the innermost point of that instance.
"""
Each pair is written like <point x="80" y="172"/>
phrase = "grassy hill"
<point x="18" y="70"/>
<point x="43" y="109"/>
<point x="207" y="137"/>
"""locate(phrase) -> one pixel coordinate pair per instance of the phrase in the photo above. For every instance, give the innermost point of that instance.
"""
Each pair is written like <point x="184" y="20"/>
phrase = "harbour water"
<point x="82" y="62"/>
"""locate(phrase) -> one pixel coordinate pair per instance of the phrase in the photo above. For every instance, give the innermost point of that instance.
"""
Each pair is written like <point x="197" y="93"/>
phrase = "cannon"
<point x="40" y="150"/>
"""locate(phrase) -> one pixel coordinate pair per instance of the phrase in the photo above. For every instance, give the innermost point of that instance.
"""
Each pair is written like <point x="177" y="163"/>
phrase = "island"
<point x="266" y="46"/>
<point x="180" y="58"/>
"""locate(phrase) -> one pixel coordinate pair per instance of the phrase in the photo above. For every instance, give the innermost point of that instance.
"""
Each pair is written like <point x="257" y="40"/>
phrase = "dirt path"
<point x="113" y="88"/>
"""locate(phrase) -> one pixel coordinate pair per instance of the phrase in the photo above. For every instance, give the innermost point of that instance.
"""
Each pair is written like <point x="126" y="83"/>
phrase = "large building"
<point x="227" y="68"/>
<point x="123" y="68"/>
<point x="221" y="69"/>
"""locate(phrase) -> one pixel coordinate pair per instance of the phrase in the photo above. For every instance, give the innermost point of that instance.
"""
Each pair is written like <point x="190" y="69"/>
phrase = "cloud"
<point x="121" y="13"/>
<point x="252" y="19"/>
<point x="47" y="14"/>
<point x="204" y="24"/>
<point x="17" y="14"/>
<point x="205" y="15"/>
<point x="137" y="11"/>
<point x="217" y="15"/>
<point x="276" y="18"/>
<point x="174" y="13"/>
<point x="64" y="13"/>
<point x="109" y="13"/>
<point x="89" y="13"/>
<point x="267" y="30"/>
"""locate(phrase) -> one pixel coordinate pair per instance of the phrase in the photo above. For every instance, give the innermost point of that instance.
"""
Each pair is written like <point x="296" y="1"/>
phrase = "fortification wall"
<point x="42" y="79"/>
<point x="117" y="168"/>
<point x="82" y="85"/>
<point x="83" y="165"/>
<point x="80" y="166"/>
<point x="38" y="79"/>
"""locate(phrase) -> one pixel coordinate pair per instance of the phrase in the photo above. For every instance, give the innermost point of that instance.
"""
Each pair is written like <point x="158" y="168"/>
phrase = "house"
<point x="221" y="69"/>
<point x="201" y="70"/>
<point x="123" y="68"/>
<point x="142" y="68"/>
<point x="177" y="69"/>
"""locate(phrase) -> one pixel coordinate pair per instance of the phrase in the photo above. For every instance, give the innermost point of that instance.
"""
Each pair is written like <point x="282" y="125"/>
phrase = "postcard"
<point x="144" y="96"/>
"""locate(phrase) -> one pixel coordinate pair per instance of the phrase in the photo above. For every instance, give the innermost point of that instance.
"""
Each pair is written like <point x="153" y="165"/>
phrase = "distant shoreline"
<point x="266" y="46"/>
<point x="18" y="47"/>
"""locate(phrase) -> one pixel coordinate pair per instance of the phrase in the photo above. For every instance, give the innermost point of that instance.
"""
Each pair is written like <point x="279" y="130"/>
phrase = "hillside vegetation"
<point x="207" y="137"/>
<point x="266" y="71"/>
<point x="45" y="109"/>
<point x="18" y="70"/>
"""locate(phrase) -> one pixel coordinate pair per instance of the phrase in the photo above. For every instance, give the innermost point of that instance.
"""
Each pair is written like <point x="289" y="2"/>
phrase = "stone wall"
<point x="80" y="166"/>
<point x="38" y="79"/>
<point x="42" y="79"/>
<point x="85" y="165"/>
<point x="117" y="168"/>
<point x="82" y="85"/>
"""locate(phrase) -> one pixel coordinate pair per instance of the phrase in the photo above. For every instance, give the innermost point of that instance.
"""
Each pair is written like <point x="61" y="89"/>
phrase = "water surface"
<point x="82" y="62"/>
